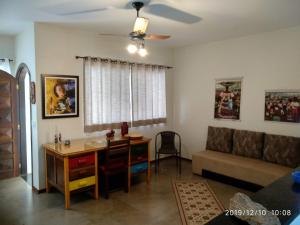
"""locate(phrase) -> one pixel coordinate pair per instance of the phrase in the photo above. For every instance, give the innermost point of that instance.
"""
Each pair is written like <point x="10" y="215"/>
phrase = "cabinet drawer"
<point x="139" y="167"/>
<point x="81" y="183"/>
<point x="81" y="161"/>
<point x="139" y="153"/>
<point x="139" y="149"/>
<point x="82" y="172"/>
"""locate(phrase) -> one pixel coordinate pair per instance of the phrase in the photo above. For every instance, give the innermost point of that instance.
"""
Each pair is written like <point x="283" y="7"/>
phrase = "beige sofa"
<point x="254" y="157"/>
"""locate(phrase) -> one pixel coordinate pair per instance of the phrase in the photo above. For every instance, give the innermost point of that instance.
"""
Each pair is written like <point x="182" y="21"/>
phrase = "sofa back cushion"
<point x="283" y="150"/>
<point x="248" y="143"/>
<point x="219" y="139"/>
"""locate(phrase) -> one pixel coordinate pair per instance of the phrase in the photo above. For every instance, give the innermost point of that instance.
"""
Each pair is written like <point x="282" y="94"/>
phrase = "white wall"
<point x="56" y="48"/>
<point x="25" y="53"/>
<point x="7" y="48"/>
<point x="265" y="61"/>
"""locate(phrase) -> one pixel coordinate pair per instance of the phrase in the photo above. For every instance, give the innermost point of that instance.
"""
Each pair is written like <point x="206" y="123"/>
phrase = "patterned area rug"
<point x="196" y="202"/>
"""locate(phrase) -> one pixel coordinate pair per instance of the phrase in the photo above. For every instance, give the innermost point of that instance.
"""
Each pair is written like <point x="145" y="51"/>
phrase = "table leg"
<point x="66" y="176"/>
<point x="46" y="172"/>
<point x="96" y="177"/>
<point x="129" y="171"/>
<point x="149" y="165"/>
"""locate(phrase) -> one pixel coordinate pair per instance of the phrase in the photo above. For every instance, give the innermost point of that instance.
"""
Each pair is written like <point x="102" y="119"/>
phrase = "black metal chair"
<point x="115" y="162"/>
<point x="168" y="147"/>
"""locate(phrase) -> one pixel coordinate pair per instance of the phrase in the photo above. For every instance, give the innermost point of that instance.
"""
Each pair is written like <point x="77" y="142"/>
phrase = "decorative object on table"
<point x="296" y="176"/>
<point x="60" y="96"/>
<point x="282" y="106"/>
<point x="32" y="93"/>
<point x="67" y="142"/>
<point x="228" y="98"/>
<point x="196" y="202"/>
<point x="260" y="216"/>
<point x="168" y="146"/>
<point x="124" y="128"/>
<point x="134" y="136"/>
<point x="110" y="134"/>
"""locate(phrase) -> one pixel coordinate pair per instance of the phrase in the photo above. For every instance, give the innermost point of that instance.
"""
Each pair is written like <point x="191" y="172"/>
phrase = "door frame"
<point x="20" y="76"/>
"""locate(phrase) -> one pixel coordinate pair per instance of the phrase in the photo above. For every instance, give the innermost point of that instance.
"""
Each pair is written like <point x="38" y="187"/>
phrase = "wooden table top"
<point x="86" y="145"/>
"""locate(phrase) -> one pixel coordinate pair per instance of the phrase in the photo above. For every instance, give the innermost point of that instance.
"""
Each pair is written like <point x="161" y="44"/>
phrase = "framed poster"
<point x="60" y="96"/>
<point x="282" y="106"/>
<point x="228" y="98"/>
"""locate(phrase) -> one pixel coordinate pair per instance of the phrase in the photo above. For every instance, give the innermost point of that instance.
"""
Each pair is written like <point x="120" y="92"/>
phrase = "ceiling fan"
<point x="140" y="26"/>
<point x="138" y="35"/>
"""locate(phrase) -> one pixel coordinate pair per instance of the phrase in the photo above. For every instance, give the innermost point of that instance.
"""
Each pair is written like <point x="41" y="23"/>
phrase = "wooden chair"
<point x="115" y="162"/>
<point x="168" y="147"/>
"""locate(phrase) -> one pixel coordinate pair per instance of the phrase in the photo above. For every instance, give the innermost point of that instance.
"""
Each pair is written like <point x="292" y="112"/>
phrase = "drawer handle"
<point x="82" y="171"/>
<point x="80" y="161"/>
<point x="82" y="183"/>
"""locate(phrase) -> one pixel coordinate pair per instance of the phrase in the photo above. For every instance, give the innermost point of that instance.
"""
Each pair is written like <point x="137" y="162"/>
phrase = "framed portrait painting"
<point x="60" y="96"/>
<point x="228" y="98"/>
<point x="282" y="106"/>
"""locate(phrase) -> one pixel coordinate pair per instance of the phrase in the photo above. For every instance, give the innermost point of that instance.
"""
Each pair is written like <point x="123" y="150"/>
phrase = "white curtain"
<point x="5" y="65"/>
<point x="148" y="95"/>
<point x="107" y="94"/>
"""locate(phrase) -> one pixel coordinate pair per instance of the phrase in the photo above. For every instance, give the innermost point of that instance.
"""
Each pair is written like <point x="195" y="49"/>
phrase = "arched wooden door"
<point x="8" y="126"/>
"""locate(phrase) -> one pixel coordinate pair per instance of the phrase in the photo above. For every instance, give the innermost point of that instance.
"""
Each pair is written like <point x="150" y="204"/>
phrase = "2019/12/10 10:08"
<point x="250" y="212"/>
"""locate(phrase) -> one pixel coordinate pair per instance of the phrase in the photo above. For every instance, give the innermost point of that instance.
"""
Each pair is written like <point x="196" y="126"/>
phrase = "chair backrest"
<point x="168" y="140"/>
<point x="117" y="152"/>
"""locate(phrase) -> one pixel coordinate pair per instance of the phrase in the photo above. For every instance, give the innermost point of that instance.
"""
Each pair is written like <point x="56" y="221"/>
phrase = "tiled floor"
<point x="144" y="205"/>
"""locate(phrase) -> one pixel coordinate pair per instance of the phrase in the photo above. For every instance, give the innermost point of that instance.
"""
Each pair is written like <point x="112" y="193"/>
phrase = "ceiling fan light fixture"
<point x="140" y="25"/>
<point x="131" y="48"/>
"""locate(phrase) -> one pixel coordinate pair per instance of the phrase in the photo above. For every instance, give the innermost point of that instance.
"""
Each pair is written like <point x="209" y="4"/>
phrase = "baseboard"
<point x="161" y="159"/>
<point x="38" y="191"/>
<point x="171" y="156"/>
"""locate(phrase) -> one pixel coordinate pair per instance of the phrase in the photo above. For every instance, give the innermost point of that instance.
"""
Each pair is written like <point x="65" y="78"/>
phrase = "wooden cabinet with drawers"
<point x="139" y="160"/>
<point x="71" y="171"/>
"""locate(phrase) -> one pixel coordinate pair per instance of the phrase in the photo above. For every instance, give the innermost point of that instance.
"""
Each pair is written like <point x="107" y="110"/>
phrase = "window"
<point x="148" y="95"/>
<point x="118" y="91"/>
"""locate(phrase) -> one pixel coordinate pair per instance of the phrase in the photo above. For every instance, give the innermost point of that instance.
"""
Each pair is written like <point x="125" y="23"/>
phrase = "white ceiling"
<point x="220" y="19"/>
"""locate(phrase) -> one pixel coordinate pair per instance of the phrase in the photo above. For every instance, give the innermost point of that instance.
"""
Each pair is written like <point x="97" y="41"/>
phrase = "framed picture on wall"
<point x="60" y="96"/>
<point x="228" y="98"/>
<point x="282" y="106"/>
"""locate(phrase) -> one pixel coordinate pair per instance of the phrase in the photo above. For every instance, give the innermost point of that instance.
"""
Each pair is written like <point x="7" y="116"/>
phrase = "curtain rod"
<point x="8" y="59"/>
<point x="116" y="60"/>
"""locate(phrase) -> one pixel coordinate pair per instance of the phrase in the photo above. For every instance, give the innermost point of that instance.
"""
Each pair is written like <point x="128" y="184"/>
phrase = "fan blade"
<point x="156" y="37"/>
<point x="82" y="12"/>
<point x="172" y="13"/>
<point x="74" y="7"/>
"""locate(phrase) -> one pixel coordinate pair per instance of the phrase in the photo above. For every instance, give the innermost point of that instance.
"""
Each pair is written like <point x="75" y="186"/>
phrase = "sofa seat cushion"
<point x="284" y="150"/>
<point x="219" y="139"/>
<point x="248" y="143"/>
<point x="247" y="169"/>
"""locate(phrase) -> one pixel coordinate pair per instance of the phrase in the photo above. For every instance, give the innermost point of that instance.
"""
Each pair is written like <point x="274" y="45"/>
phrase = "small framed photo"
<point x="282" y="105"/>
<point x="60" y="96"/>
<point x="228" y="98"/>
